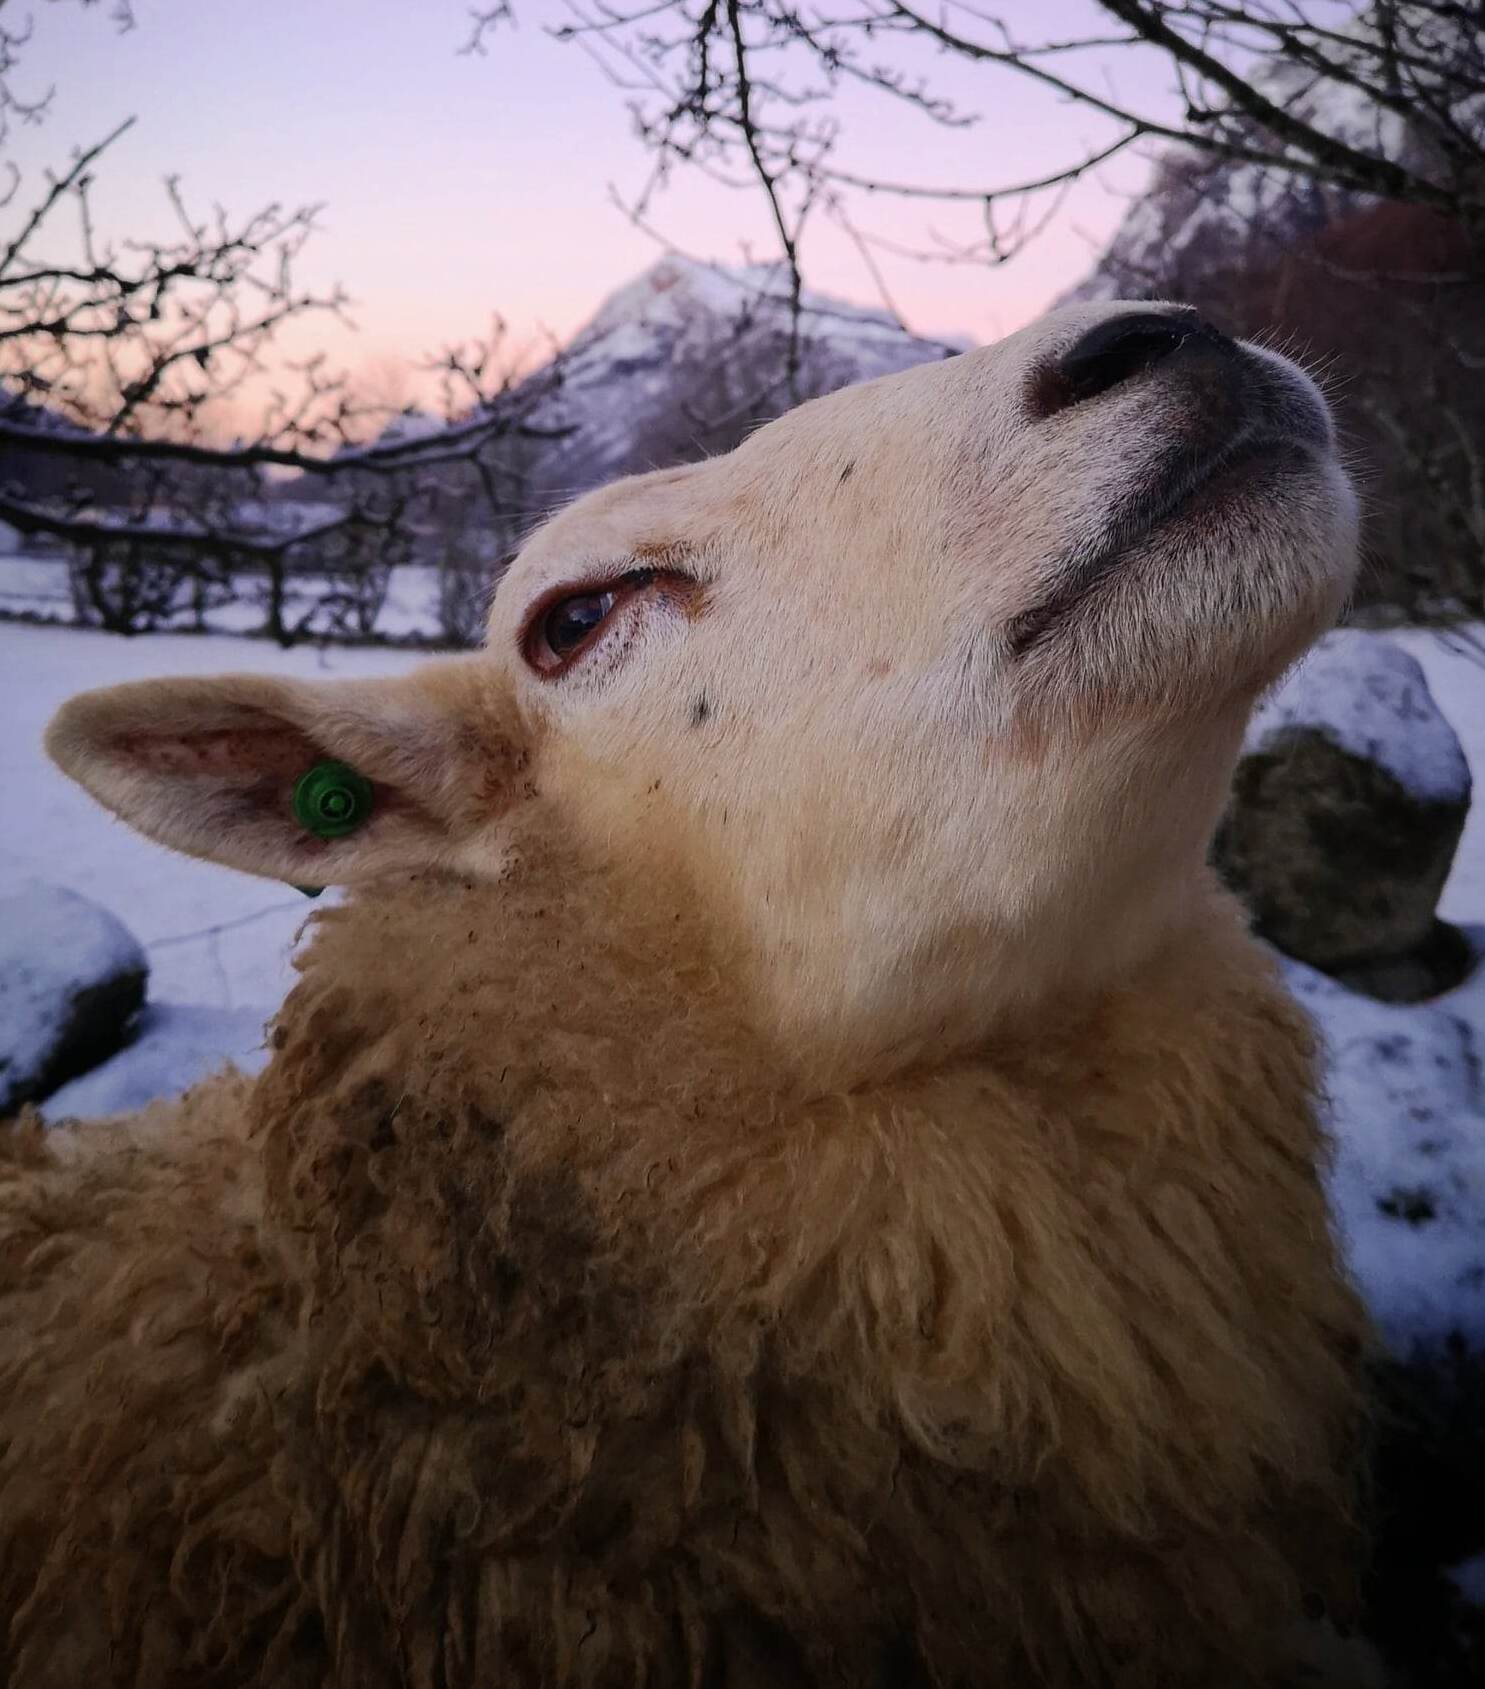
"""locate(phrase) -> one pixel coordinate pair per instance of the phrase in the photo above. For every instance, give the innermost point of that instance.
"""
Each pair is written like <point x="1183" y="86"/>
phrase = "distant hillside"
<point x="682" y="362"/>
<point x="39" y="473"/>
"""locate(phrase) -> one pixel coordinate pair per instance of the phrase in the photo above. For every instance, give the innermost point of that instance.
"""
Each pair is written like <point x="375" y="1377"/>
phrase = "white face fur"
<point x="931" y="690"/>
<point x="941" y="678"/>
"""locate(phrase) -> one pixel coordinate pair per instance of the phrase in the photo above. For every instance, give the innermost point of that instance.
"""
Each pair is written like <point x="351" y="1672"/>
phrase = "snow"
<point x="675" y="290"/>
<point x="1370" y="697"/>
<point x="689" y="340"/>
<point x="1407" y="1105"/>
<point x="37" y="587"/>
<point x="177" y="1045"/>
<point x="54" y="945"/>
<point x="1408" y="1183"/>
<point x="1338" y="109"/>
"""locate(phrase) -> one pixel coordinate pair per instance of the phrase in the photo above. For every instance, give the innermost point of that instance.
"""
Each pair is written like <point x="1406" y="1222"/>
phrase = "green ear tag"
<point x="331" y="800"/>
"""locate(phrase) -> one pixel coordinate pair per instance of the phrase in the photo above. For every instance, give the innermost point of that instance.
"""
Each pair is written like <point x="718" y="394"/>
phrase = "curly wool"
<point x="529" y="1321"/>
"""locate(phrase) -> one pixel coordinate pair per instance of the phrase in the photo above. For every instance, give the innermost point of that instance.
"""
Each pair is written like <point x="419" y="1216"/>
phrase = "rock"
<point x="72" y="977"/>
<point x="176" y="1047"/>
<point x="1437" y="965"/>
<point x="1407" y="1184"/>
<point x="1347" y="806"/>
<point x="686" y="360"/>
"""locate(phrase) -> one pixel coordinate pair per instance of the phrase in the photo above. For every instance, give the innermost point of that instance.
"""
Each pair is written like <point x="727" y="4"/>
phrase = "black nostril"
<point x="1116" y="351"/>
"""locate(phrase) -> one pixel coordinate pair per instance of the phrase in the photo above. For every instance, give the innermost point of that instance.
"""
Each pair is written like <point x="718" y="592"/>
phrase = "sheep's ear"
<point x="212" y="767"/>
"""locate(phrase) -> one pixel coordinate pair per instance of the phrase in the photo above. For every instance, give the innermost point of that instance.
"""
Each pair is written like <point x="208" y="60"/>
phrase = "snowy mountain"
<point x="685" y="359"/>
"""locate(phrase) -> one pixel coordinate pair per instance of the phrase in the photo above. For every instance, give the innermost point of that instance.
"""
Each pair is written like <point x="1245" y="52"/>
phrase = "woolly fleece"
<point x="527" y="1322"/>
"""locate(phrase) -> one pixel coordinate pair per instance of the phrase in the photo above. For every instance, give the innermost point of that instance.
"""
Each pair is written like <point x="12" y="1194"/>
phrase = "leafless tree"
<point x="119" y="362"/>
<point x="747" y="89"/>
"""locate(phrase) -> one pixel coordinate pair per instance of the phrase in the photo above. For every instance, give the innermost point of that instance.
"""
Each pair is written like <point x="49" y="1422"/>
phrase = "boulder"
<point x="1348" y="803"/>
<point x="72" y="977"/>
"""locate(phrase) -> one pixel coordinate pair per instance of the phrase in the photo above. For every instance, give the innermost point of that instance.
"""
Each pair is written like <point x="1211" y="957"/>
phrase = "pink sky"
<point x="456" y="187"/>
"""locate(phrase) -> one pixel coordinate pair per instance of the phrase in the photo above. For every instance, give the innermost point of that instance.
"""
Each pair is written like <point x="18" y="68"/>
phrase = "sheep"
<point x="785" y="1168"/>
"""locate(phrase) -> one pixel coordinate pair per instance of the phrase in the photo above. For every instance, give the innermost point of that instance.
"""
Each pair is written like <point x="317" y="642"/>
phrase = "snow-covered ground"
<point x="37" y="586"/>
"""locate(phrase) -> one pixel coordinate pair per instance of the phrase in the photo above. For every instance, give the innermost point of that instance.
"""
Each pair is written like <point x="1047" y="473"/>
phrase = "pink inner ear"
<point x="248" y="752"/>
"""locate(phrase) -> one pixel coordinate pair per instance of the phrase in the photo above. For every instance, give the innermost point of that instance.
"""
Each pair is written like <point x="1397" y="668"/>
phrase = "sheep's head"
<point x="929" y="693"/>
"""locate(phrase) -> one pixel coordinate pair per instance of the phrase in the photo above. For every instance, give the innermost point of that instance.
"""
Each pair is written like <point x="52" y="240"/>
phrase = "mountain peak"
<point x="688" y="294"/>
<point x="686" y="358"/>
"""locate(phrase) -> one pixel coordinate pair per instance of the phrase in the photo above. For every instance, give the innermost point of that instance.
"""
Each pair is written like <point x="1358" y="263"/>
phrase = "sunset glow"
<point x="459" y="187"/>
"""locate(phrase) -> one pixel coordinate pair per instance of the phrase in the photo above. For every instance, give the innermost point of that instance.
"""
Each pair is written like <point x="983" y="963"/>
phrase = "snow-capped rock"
<point x="1372" y="700"/>
<point x="685" y="359"/>
<point x="1407" y="1186"/>
<point x="71" y="978"/>
<point x="1347" y="808"/>
<point x="177" y="1046"/>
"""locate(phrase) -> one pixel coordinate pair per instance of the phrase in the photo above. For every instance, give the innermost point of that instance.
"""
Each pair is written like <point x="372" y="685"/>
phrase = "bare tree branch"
<point x="119" y="358"/>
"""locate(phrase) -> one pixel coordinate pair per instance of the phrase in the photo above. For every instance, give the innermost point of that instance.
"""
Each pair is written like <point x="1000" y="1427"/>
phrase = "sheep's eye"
<point x="562" y="630"/>
<point x="570" y="621"/>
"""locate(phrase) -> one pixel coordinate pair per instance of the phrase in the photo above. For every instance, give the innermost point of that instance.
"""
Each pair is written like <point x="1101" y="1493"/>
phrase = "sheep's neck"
<point x="922" y="916"/>
<point x="528" y="1116"/>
